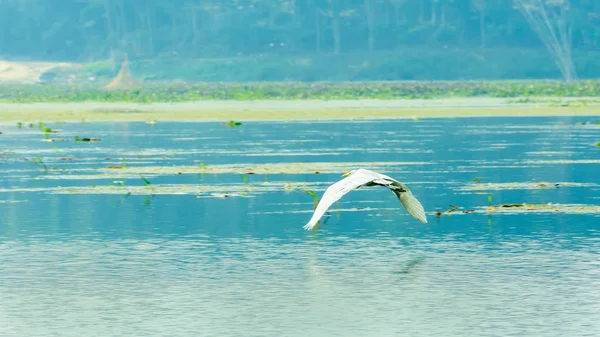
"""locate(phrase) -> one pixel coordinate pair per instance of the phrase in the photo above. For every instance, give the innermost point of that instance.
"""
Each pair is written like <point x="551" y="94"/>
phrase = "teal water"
<point x="215" y="251"/>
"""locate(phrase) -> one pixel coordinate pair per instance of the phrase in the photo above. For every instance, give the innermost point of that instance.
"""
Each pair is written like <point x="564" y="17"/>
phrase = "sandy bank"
<point x="26" y="72"/>
<point x="284" y="110"/>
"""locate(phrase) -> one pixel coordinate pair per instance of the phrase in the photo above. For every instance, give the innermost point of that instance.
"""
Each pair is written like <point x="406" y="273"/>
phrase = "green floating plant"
<point x="232" y="123"/>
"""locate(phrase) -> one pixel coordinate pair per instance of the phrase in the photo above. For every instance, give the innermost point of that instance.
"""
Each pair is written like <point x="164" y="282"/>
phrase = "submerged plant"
<point x="245" y="180"/>
<point x="315" y="197"/>
<point x="122" y="184"/>
<point x="40" y="163"/>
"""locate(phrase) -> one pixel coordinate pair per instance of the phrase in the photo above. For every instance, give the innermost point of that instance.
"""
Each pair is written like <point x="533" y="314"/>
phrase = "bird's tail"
<point x="412" y="205"/>
<point x="312" y="222"/>
<point x="310" y="225"/>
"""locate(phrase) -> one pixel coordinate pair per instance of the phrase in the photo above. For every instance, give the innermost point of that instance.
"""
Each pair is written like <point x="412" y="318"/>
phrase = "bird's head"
<point x="349" y="173"/>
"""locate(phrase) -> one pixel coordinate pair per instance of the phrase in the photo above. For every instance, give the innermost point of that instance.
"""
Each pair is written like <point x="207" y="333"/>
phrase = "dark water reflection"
<point x="183" y="265"/>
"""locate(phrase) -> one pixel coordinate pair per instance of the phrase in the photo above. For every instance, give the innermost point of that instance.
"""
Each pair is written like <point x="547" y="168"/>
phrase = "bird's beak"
<point x="346" y="174"/>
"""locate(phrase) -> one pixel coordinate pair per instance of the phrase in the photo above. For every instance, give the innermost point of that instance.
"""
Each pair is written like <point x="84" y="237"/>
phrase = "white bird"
<point x="361" y="177"/>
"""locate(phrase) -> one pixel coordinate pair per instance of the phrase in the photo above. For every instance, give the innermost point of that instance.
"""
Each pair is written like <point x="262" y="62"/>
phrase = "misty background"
<point x="309" y="40"/>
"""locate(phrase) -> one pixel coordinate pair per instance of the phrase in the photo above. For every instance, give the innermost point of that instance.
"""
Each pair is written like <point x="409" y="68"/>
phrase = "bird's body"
<point x="361" y="177"/>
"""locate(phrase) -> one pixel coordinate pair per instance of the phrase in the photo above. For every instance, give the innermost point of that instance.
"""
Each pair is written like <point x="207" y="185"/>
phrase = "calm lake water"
<point x="160" y="230"/>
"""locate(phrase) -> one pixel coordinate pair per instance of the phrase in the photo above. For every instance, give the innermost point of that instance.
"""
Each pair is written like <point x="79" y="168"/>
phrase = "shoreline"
<point x="287" y="110"/>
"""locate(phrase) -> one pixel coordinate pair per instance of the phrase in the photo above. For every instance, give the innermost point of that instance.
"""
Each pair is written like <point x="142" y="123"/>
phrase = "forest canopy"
<point x="91" y="30"/>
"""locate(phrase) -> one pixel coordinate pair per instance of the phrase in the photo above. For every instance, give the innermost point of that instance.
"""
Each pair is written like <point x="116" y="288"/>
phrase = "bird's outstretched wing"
<point x="408" y="200"/>
<point x="336" y="191"/>
<point x="412" y="205"/>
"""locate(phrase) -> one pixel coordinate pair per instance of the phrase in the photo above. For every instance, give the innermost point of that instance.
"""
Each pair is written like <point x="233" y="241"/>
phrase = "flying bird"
<point x="355" y="179"/>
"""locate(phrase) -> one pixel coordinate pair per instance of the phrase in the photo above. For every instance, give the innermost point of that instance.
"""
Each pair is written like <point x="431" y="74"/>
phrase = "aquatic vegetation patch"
<point x="592" y="123"/>
<point x="227" y="190"/>
<point x="11" y="201"/>
<point x="332" y="210"/>
<point x="40" y="163"/>
<point x="563" y="161"/>
<point x="267" y="168"/>
<point x="232" y="123"/>
<point x="520" y="208"/>
<point x="86" y="139"/>
<point x="551" y="153"/>
<point x="543" y="208"/>
<point x="454" y="210"/>
<point x="522" y="186"/>
<point x="111" y="176"/>
<point x="315" y="197"/>
<point x="120" y="187"/>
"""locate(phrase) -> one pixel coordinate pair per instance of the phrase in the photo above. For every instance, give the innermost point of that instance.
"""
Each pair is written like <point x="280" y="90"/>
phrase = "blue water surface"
<point x="202" y="264"/>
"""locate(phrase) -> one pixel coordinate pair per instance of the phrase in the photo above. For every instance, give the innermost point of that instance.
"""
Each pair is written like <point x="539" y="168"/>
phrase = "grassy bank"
<point x="226" y="111"/>
<point x="182" y="92"/>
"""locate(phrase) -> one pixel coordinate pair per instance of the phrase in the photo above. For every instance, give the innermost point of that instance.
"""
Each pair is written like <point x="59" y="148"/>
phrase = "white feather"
<point x="360" y="178"/>
<point x="413" y="206"/>
<point x="334" y="192"/>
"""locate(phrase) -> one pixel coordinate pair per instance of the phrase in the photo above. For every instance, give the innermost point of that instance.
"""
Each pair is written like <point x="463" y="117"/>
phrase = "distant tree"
<point x="480" y="5"/>
<point x="86" y="30"/>
<point x="549" y="20"/>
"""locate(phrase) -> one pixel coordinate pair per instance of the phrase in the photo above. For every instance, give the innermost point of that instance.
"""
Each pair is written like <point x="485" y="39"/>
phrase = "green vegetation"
<point x="40" y="164"/>
<point x="315" y="197"/>
<point x="411" y="64"/>
<point x="232" y="123"/>
<point x="177" y="92"/>
<point x="86" y="139"/>
<point x="557" y="102"/>
<point x="92" y="29"/>
<point x="146" y="181"/>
